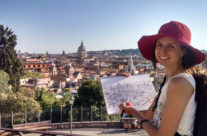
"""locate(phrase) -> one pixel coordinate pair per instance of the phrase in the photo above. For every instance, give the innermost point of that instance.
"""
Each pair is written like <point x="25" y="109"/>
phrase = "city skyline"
<point x="54" y="26"/>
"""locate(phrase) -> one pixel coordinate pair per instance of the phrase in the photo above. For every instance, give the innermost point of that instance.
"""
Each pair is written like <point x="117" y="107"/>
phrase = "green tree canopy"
<point x="8" y="57"/>
<point x="33" y="75"/>
<point x="17" y="102"/>
<point x="4" y="78"/>
<point x="90" y="93"/>
<point x="28" y="92"/>
<point x="47" y="100"/>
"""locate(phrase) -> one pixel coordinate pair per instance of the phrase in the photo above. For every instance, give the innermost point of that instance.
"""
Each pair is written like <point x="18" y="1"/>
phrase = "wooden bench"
<point x="43" y="125"/>
<point x="10" y="131"/>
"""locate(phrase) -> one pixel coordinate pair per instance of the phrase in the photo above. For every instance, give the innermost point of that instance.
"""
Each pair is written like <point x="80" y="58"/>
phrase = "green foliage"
<point x="42" y="57"/>
<point x="127" y="52"/>
<point x="48" y="100"/>
<point x="28" y="92"/>
<point x="33" y="75"/>
<point x="38" y="94"/>
<point x="67" y="90"/>
<point x="4" y="78"/>
<point x="90" y="93"/>
<point x="65" y="99"/>
<point x="8" y="57"/>
<point x="17" y="102"/>
<point x="58" y="62"/>
<point x="118" y="52"/>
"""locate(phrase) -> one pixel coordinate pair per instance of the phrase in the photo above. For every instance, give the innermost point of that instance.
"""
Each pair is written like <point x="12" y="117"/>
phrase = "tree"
<point x="33" y="75"/>
<point x="67" y="90"/>
<point x="65" y="99"/>
<point x="90" y="93"/>
<point x="47" y="100"/>
<point x="8" y="57"/>
<point x="18" y="102"/>
<point x="4" y="78"/>
<point x="28" y="92"/>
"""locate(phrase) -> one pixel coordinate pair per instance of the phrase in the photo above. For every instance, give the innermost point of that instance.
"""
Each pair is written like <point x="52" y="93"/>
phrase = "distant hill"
<point x="124" y="52"/>
<point x="117" y="52"/>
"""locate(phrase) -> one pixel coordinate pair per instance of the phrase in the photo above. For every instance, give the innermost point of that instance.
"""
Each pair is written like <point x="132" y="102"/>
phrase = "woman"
<point x="175" y="105"/>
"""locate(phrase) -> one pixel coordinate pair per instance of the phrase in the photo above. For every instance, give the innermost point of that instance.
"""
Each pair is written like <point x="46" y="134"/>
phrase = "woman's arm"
<point x="178" y="95"/>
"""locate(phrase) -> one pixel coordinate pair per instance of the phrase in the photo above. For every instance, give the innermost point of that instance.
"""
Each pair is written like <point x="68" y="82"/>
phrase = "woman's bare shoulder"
<point x="180" y="85"/>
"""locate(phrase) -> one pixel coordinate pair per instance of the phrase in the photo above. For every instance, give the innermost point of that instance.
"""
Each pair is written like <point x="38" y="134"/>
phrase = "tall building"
<point x="68" y="69"/>
<point x="130" y="67"/>
<point x="53" y="69"/>
<point x="82" y="53"/>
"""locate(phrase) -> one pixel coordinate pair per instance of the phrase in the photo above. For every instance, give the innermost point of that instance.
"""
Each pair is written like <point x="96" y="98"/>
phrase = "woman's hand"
<point x="127" y="107"/>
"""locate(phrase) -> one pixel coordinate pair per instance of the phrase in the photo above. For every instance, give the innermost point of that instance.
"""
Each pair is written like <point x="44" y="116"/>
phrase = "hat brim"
<point x="146" y="46"/>
<point x="199" y="55"/>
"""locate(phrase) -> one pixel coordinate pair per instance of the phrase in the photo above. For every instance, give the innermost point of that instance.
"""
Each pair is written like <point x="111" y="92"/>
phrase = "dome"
<point x="82" y="53"/>
<point x="81" y="48"/>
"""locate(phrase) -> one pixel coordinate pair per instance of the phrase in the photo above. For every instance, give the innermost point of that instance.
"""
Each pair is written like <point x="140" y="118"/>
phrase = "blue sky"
<point x="57" y="25"/>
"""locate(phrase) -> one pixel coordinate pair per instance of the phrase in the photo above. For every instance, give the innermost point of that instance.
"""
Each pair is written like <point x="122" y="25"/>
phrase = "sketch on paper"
<point x="136" y="89"/>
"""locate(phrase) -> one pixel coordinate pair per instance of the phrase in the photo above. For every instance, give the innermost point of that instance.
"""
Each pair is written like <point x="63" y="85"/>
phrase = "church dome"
<point x="82" y="51"/>
<point x="82" y="48"/>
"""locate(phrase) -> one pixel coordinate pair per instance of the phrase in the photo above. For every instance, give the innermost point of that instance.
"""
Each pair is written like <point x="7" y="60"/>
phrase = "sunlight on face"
<point x="168" y="52"/>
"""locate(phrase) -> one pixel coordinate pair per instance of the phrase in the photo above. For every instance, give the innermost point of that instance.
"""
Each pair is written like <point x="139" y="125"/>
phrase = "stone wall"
<point x="86" y="124"/>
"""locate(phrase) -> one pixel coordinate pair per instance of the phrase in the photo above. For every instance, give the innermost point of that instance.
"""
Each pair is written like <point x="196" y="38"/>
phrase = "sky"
<point x="55" y="25"/>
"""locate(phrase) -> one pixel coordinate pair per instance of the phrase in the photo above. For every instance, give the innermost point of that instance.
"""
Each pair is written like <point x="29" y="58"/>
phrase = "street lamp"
<point x="71" y="101"/>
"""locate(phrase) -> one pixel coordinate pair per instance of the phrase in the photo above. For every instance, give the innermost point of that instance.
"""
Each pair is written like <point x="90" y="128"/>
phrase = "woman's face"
<point x="168" y="52"/>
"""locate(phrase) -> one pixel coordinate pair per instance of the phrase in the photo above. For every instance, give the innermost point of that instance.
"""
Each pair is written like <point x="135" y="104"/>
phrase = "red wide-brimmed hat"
<point x="175" y="30"/>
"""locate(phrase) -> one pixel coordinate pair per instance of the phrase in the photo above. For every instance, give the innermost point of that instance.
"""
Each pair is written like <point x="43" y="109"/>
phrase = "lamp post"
<point x="61" y="111"/>
<point x="71" y="111"/>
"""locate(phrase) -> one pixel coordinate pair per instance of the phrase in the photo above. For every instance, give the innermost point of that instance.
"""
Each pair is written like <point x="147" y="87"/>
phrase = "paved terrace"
<point x="101" y="132"/>
<point x="94" y="128"/>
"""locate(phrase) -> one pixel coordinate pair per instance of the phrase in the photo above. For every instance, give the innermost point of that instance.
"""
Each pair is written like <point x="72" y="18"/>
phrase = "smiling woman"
<point x="178" y="98"/>
<point x="168" y="52"/>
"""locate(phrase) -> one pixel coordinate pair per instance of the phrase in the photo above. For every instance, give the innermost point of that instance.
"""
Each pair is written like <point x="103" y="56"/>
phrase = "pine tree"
<point x="8" y="57"/>
<point x="90" y="94"/>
